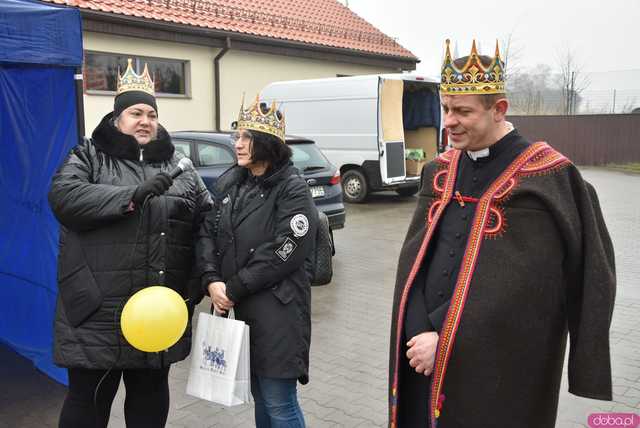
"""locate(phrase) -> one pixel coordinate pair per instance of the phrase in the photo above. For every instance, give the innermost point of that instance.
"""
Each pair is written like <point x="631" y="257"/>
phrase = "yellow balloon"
<point x="154" y="319"/>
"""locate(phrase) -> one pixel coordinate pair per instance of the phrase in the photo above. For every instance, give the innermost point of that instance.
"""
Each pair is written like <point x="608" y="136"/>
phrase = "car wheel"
<point x="333" y="243"/>
<point x="354" y="186"/>
<point x="323" y="269"/>
<point x="407" y="191"/>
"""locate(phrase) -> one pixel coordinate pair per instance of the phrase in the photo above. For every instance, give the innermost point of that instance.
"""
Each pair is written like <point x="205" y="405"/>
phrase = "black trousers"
<point x="88" y="405"/>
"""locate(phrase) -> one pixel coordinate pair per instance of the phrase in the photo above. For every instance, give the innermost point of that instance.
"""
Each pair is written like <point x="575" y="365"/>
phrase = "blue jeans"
<point x="276" y="403"/>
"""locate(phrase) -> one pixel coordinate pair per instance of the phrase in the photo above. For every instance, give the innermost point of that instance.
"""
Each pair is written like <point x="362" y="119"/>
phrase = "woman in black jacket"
<point x="125" y="225"/>
<point x="255" y="252"/>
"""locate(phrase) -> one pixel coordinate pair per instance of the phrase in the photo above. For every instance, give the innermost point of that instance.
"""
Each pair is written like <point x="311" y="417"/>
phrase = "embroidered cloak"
<point x="538" y="263"/>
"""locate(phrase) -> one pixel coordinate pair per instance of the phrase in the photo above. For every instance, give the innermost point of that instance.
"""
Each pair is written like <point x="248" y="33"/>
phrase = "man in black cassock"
<point x="507" y="252"/>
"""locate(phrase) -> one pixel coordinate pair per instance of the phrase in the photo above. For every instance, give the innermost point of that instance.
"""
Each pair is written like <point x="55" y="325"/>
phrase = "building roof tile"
<point x="317" y="22"/>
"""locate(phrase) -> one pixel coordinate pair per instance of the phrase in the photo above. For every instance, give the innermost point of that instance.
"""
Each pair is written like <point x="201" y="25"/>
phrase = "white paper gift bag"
<point x="220" y="369"/>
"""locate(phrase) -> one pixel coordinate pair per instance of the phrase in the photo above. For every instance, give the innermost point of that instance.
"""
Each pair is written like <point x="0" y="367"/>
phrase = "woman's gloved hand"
<point x="155" y="185"/>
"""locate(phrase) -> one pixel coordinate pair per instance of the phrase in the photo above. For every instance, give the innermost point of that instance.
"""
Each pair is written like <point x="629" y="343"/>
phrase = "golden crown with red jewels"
<point x="132" y="81"/>
<point x="253" y="118"/>
<point x="474" y="77"/>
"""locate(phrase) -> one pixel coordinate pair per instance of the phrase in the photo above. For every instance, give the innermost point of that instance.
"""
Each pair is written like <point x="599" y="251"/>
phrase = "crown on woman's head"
<point x="253" y="118"/>
<point x="131" y="81"/>
<point x="474" y="77"/>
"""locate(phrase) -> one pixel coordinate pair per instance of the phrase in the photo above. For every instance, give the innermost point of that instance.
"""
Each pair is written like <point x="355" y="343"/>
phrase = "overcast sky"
<point x="603" y="34"/>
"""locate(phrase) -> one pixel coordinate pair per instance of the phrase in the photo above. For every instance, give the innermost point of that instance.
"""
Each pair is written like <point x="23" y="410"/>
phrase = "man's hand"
<point x="422" y="352"/>
<point x="218" y="293"/>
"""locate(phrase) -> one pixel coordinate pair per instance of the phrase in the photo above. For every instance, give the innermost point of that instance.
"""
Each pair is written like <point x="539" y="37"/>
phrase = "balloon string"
<point x="104" y="376"/>
<point x="95" y="394"/>
<point x="135" y="244"/>
<point x="119" y="308"/>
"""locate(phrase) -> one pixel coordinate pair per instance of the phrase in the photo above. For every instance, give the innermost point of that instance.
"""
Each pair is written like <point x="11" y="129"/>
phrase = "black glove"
<point x="155" y="185"/>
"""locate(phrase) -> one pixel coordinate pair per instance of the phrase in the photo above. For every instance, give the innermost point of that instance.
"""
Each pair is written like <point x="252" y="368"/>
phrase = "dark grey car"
<point x="212" y="154"/>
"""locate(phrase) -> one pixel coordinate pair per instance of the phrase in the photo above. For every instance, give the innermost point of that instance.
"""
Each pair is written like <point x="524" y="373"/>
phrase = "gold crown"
<point x="131" y="81"/>
<point x="473" y="77"/>
<point x="252" y="118"/>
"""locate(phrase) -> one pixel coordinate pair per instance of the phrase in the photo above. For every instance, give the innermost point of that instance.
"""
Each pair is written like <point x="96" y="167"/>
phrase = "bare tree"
<point x="527" y="88"/>
<point x="572" y="81"/>
<point x="630" y="105"/>
<point x="511" y="54"/>
<point x="532" y="92"/>
<point x="539" y="90"/>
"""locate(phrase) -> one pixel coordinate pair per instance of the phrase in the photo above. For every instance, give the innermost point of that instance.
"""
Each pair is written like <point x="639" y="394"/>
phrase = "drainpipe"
<point x="216" y="76"/>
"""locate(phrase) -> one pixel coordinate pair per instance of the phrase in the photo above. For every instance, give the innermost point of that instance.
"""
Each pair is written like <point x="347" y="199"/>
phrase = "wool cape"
<point x="538" y="267"/>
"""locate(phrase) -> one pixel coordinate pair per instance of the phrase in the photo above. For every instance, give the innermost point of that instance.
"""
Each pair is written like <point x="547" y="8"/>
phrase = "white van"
<point x="363" y="124"/>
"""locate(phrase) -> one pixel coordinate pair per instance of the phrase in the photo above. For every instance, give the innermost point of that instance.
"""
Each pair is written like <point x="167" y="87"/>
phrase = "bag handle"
<point x="230" y="314"/>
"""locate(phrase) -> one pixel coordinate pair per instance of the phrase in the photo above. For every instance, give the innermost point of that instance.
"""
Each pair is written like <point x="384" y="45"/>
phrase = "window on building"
<point x="101" y="72"/>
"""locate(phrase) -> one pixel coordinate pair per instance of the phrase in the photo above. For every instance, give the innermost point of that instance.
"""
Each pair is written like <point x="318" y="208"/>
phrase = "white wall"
<point x="241" y="72"/>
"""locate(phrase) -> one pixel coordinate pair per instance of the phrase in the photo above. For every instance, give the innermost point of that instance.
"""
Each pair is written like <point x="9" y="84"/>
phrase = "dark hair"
<point x="269" y="148"/>
<point x="487" y="100"/>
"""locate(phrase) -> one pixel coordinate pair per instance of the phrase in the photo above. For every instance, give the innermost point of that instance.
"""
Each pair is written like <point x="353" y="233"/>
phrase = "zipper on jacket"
<point x="146" y="257"/>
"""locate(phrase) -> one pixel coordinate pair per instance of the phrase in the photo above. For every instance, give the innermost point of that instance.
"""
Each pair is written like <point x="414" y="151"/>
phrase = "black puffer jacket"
<point x="262" y="248"/>
<point x="108" y="252"/>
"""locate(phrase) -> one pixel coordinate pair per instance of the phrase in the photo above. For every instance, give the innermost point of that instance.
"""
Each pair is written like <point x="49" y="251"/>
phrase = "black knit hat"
<point x="130" y="98"/>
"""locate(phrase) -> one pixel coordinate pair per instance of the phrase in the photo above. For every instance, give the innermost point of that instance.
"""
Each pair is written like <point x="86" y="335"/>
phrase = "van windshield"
<point x="307" y="157"/>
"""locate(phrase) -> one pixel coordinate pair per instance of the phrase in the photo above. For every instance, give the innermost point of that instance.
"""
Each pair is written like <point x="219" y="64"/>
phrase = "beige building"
<point x="205" y="54"/>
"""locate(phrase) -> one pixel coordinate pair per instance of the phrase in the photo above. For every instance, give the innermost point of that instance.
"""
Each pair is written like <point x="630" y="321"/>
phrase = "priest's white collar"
<point x="477" y="154"/>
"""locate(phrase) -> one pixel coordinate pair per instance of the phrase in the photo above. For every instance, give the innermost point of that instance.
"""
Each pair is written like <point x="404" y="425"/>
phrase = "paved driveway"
<point x="351" y="319"/>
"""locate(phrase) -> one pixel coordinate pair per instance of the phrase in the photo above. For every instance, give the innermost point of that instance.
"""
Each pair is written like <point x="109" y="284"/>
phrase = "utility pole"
<point x="568" y="102"/>
<point x="614" y="102"/>
<point x="572" y="106"/>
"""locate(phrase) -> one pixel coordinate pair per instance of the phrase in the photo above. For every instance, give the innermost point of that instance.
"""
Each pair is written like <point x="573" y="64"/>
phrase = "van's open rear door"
<point x="391" y="130"/>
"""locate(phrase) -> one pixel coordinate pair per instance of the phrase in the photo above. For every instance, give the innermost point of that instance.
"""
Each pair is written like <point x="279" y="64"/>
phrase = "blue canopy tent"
<point x="40" y="52"/>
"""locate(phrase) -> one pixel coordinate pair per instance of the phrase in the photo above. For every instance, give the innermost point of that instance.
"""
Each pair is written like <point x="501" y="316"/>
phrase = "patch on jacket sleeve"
<point x="299" y="225"/>
<point x="286" y="249"/>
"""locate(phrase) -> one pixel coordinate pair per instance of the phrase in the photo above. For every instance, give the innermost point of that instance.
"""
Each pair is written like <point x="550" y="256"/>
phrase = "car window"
<point x="307" y="156"/>
<point x="183" y="147"/>
<point x="212" y="154"/>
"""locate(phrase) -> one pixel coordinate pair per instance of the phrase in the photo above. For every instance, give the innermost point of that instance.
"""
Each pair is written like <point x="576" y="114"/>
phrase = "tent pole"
<point x="79" y="101"/>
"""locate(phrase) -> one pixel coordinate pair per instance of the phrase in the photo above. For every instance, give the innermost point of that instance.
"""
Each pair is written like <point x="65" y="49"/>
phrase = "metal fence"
<point x="587" y="140"/>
